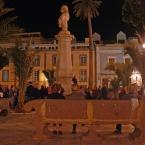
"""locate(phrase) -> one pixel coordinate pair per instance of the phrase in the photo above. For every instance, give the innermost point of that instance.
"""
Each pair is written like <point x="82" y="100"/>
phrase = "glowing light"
<point x="143" y="45"/>
<point x="136" y="78"/>
<point x="43" y="79"/>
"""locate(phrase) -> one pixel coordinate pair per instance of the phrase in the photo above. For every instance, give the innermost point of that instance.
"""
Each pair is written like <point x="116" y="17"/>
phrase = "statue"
<point x="64" y="18"/>
<point x="1" y="5"/>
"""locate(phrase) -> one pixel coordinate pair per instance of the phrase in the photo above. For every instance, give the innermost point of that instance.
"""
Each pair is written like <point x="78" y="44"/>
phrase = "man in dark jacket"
<point x="104" y="92"/>
<point x="29" y="92"/>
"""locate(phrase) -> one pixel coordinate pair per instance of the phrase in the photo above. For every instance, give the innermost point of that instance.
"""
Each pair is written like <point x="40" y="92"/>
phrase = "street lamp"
<point x="143" y="45"/>
<point x="136" y="78"/>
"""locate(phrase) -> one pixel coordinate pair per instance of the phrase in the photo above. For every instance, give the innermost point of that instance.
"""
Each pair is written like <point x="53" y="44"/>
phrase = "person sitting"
<point x="55" y="93"/>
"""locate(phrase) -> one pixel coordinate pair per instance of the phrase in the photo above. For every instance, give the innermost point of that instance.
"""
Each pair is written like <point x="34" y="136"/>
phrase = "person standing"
<point x="13" y="93"/>
<point x="29" y="92"/>
<point x="43" y="92"/>
<point x="104" y="92"/>
<point x="1" y="92"/>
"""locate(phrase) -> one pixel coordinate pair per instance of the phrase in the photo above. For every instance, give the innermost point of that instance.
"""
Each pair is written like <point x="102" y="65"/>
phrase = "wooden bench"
<point x="89" y="112"/>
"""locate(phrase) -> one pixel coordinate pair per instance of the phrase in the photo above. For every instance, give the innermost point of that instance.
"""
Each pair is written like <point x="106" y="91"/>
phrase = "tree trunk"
<point x="90" y="52"/>
<point x="21" y="97"/>
<point x="143" y="86"/>
<point x="95" y="66"/>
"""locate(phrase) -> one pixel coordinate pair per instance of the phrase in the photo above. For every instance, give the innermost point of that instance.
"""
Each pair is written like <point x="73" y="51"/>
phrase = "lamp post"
<point x="143" y="45"/>
<point x="136" y="78"/>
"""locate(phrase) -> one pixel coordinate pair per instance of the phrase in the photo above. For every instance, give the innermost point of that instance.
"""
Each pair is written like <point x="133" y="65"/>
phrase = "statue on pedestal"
<point x="1" y="5"/>
<point x="64" y="18"/>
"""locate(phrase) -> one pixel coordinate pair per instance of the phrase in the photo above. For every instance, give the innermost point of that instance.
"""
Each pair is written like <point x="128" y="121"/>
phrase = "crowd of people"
<point x="32" y="92"/>
<point x="52" y="92"/>
<point x="56" y="91"/>
<point x="11" y="93"/>
<point x="109" y="93"/>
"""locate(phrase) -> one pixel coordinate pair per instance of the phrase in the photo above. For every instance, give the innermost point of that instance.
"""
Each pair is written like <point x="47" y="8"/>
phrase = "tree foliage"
<point x="5" y="31"/>
<point x="5" y="20"/>
<point x="123" y="72"/>
<point x="137" y="54"/>
<point x="4" y="59"/>
<point x="115" y="82"/>
<point x="22" y="58"/>
<point x="4" y="36"/>
<point x="84" y="7"/>
<point x="133" y="12"/>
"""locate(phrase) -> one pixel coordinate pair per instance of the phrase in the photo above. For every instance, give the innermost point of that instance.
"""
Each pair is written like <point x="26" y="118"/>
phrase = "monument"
<point x="64" y="63"/>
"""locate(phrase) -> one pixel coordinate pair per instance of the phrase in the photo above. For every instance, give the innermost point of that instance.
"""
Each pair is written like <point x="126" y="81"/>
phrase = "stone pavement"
<point x="17" y="129"/>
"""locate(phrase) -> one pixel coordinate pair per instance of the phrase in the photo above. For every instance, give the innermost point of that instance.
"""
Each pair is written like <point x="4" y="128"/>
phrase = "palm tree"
<point x="4" y="22"/>
<point x="88" y="9"/>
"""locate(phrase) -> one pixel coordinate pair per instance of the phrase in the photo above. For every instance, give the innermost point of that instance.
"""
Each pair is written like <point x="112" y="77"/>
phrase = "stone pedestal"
<point x="64" y="63"/>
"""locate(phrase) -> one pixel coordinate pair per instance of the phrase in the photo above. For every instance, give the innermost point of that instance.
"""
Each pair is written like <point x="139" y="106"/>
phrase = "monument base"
<point x="66" y="84"/>
<point x="64" y="64"/>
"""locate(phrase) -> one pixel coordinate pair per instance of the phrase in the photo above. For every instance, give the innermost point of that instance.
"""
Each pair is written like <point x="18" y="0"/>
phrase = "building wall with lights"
<point x="47" y="59"/>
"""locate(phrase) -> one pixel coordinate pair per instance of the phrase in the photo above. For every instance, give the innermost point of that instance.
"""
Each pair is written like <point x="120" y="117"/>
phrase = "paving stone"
<point x="18" y="129"/>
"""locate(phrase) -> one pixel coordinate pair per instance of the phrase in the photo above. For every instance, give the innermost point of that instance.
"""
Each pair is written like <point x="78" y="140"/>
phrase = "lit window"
<point x="83" y="75"/>
<point x="36" y="75"/>
<point x="111" y="60"/>
<point x="5" y="75"/>
<point x="37" y="60"/>
<point x="83" y="59"/>
<point x="54" y="60"/>
<point x="127" y="60"/>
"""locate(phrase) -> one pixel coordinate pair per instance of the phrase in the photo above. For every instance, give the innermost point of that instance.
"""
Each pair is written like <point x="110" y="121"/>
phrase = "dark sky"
<point x="42" y="15"/>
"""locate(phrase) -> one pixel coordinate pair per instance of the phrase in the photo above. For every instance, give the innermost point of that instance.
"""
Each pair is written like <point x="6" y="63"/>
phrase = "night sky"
<point x="42" y="15"/>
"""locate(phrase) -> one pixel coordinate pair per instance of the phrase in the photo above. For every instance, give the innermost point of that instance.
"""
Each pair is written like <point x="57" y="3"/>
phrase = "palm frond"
<point x="136" y="55"/>
<point x="133" y="13"/>
<point x="83" y="7"/>
<point x="5" y="11"/>
<point x="4" y="58"/>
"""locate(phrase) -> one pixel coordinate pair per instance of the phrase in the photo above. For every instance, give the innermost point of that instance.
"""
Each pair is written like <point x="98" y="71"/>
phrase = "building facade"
<point x="47" y="59"/>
